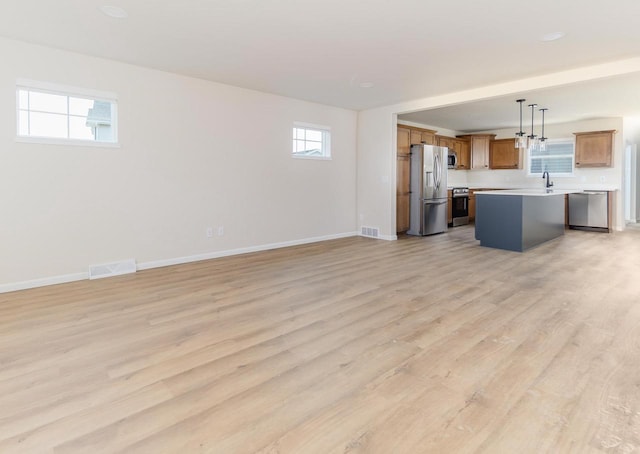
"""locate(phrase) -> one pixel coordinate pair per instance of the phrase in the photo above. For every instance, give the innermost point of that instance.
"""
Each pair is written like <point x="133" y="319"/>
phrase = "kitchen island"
<point x="519" y="219"/>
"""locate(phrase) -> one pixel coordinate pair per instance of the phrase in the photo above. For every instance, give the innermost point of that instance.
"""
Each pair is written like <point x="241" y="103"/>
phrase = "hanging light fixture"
<point x="533" y="139"/>
<point x="521" y="141"/>
<point x="542" y="143"/>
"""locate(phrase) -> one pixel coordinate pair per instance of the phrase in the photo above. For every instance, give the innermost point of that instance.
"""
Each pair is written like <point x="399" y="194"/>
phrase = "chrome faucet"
<point x="545" y="174"/>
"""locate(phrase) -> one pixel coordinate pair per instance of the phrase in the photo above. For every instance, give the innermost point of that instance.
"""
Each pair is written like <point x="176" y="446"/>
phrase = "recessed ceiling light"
<point x="366" y="84"/>
<point x="114" y="11"/>
<point x="553" y="36"/>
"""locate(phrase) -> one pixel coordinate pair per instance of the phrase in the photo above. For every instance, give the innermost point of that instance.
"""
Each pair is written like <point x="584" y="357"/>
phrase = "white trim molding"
<point x="62" y="279"/>
<point x="245" y="250"/>
<point x="42" y="282"/>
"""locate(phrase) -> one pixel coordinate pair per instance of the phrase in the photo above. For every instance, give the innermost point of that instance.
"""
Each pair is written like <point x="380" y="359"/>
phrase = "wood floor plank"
<point x="349" y="346"/>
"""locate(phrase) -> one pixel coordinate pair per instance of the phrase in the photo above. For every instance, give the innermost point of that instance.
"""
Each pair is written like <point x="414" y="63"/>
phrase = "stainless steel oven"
<point x="460" y="206"/>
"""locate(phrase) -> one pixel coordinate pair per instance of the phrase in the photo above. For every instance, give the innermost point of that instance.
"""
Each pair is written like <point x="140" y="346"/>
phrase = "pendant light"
<point x="542" y="143"/>
<point x="521" y="140"/>
<point x="533" y="139"/>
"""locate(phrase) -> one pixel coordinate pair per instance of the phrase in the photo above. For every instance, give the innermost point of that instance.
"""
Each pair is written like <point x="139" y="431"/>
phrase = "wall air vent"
<point x="112" y="269"/>
<point x="371" y="232"/>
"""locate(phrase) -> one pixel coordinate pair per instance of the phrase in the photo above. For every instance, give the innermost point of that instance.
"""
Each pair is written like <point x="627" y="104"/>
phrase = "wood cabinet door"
<point x="403" y="168"/>
<point x="416" y="137"/>
<point x="472" y="208"/>
<point x="446" y="142"/>
<point x="404" y="141"/>
<point x="403" y="187"/>
<point x="428" y="138"/>
<point x="594" y="149"/>
<point x="503" y="154"/>
<point x="402" y="214"/>
<point x="480" y="152"/>
<point x="462" y="148"/>
<point x="403" y="184"/>
<point x="449" y="206"/>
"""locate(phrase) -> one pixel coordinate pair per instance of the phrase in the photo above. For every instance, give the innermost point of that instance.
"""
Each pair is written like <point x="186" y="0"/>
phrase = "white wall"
<point x="194" y="154"/>
<point x="376" y="170"/>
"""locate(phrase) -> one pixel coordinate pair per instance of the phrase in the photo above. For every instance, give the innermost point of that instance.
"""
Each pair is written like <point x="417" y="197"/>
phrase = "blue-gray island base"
<point x="519" y="220"/>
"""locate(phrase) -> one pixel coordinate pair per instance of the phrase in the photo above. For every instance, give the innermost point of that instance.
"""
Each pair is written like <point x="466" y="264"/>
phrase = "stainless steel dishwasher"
<point x="589" y="210"/>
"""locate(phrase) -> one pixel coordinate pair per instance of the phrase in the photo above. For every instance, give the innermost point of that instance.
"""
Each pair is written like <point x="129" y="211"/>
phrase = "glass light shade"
<point x="532" y="143"/>
<point x="542" y="145"/>
<point x="521" y="140"/>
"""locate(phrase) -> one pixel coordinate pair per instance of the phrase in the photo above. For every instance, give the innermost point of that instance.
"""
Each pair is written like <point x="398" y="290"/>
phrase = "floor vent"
<point x="371" y="232"/>
<point x="112" y="269"/>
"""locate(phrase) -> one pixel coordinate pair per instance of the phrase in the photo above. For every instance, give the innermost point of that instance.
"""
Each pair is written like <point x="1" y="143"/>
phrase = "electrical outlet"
<point x="221" y="230"/>
<point x="603" y="179"/>
<point x="209" y="232"/>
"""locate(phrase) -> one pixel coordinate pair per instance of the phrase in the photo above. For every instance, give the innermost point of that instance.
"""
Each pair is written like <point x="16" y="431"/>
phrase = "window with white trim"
<point x="51" y="115"/>
<point x="311" y="141"/>
<point x="558" y="159"/>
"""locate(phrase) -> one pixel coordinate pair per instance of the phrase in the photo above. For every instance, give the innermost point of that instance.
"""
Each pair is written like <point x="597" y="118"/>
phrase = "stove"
<point x="460" y="206"/>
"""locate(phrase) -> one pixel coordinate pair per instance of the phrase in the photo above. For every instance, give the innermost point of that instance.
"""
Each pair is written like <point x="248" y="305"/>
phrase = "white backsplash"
<point x="457" y="178"/>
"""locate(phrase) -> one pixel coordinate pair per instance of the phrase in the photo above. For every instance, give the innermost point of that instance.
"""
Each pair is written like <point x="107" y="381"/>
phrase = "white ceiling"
<point x="604" y="98"/>
<point x="323" y="50"/>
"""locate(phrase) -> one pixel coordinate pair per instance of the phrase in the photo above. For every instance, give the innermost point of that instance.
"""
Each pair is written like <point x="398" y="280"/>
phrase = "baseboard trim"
<point x="43" y="282"/>
<point x="63" y="279"/>
<point x="239" y="251"/>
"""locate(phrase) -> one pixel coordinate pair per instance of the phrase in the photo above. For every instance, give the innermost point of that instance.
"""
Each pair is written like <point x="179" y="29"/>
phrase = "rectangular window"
<point x="311" y="141"/>
<point x="558" y="159"/>
<point x="53" y="114"/>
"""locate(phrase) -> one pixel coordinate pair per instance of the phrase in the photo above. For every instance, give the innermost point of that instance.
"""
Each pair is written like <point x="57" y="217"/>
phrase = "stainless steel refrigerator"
<point x="428" y="201"/>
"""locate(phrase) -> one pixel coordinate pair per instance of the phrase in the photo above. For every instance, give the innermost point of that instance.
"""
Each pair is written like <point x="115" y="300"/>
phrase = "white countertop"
<point x="557" y="186"/>
<point x="531" y="192"/>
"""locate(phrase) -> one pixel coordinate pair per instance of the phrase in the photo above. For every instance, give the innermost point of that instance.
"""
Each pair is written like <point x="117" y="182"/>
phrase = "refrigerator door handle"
<point x="435" y="173"/>
<point x="436" y="169"/>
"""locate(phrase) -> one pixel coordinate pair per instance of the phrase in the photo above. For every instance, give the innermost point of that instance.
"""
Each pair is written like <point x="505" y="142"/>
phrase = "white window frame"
<point x="326" y="140"/>
<point x="556" y="174"/>
<point x="74" y="92"/>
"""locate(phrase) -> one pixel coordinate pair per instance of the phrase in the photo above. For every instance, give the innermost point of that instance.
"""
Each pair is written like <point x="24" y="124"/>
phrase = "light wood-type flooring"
<point x="422" y="345"/>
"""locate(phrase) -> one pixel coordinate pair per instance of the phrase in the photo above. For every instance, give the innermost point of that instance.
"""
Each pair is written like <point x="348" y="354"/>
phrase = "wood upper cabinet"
<point x="419" y="136"/>
<point x="404" y="141"/>
<point x="594" y="149"/>
<point x="479" y="150"/>
<point x="462" y="148"/>
<point x="428" y="138"/>
<point x="503" y="154"/>
<point x="444" y="141"/>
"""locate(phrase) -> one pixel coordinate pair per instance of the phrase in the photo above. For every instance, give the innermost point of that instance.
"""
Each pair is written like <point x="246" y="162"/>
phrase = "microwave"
<point x="452" y="158"/>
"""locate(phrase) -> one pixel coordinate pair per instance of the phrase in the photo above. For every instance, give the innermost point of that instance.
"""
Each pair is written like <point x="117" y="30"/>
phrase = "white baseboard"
<point x="53" y="280"/>
<point x="12" y="287"/>
<point x="238" y="251"/>
<point x="381" y="237"/>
